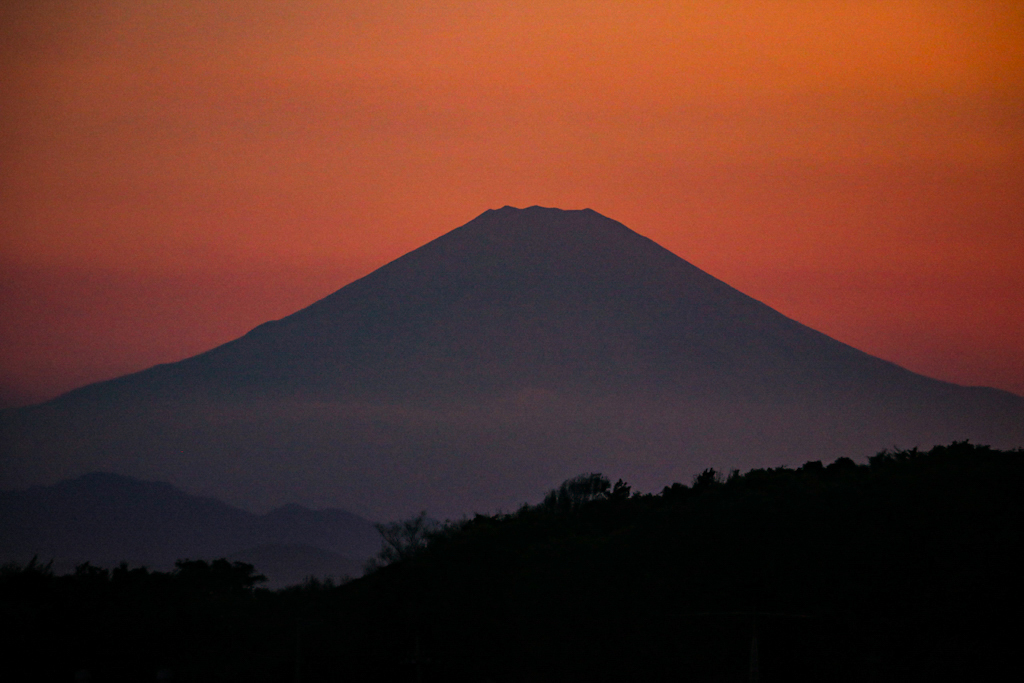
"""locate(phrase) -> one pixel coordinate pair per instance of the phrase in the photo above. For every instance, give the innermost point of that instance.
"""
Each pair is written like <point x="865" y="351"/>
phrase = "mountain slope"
<point x="106" y="519"/>
<point x="537" y="297"/>
<point x="502" y="357"/>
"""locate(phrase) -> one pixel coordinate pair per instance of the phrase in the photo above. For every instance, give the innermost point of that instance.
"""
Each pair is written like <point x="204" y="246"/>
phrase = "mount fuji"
<point x="478" y="371"/>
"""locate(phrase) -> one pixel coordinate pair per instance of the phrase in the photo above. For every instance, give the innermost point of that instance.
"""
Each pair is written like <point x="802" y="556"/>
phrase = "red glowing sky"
<point x="173" y="174"/>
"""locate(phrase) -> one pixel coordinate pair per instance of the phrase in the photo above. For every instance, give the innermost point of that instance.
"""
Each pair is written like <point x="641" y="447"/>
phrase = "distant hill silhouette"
<point x="905" y="568"/>
<point x="508" y="354"/>
<point x="105" y="519"/>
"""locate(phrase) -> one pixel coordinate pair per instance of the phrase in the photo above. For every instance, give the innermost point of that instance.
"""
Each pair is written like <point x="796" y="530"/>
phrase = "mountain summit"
<point x="519" y="349"/>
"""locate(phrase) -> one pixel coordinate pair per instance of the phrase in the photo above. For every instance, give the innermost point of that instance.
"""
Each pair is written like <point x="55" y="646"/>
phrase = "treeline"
<point x="202" y="621"/>
<point x="905" y="568"/>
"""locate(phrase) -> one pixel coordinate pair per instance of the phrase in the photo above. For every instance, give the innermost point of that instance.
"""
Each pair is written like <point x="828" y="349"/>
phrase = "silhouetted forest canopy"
<point x="905" y="568"/>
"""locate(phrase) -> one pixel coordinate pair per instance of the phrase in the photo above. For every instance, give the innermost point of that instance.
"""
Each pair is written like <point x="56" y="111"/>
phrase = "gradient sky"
<point x="173" y="174"/>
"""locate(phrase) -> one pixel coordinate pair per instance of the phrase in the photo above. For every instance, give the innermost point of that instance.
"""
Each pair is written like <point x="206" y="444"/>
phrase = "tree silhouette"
<point x="403" y="539"/>
<point x="578" y="491"/>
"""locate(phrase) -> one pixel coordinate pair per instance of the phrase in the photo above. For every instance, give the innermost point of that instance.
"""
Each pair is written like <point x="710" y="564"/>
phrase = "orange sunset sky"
<point x="172" y="174"/>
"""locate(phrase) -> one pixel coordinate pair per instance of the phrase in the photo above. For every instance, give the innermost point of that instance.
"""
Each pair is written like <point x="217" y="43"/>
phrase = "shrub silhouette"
<point x="908" y="567"/>
<point x="578" y="491"/>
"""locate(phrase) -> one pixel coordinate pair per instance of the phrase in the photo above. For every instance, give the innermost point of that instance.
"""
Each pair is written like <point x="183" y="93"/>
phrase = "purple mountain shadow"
<point x="483" y="368"/>
<point x="106" y="519"/>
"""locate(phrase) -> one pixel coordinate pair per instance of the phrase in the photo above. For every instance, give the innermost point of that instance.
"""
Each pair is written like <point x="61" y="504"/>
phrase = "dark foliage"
<point x="906" y="568"/>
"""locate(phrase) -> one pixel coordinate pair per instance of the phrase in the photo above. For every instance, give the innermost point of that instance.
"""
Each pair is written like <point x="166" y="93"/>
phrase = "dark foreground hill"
<point x="905" y="569"/>
<point x="106" y="519"/>
<point x="508" y="354"/>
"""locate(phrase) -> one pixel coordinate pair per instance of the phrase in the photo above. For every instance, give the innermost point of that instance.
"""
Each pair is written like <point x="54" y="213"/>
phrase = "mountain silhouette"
<point x="493" y="362"/>
<point x="106" y="519"/>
